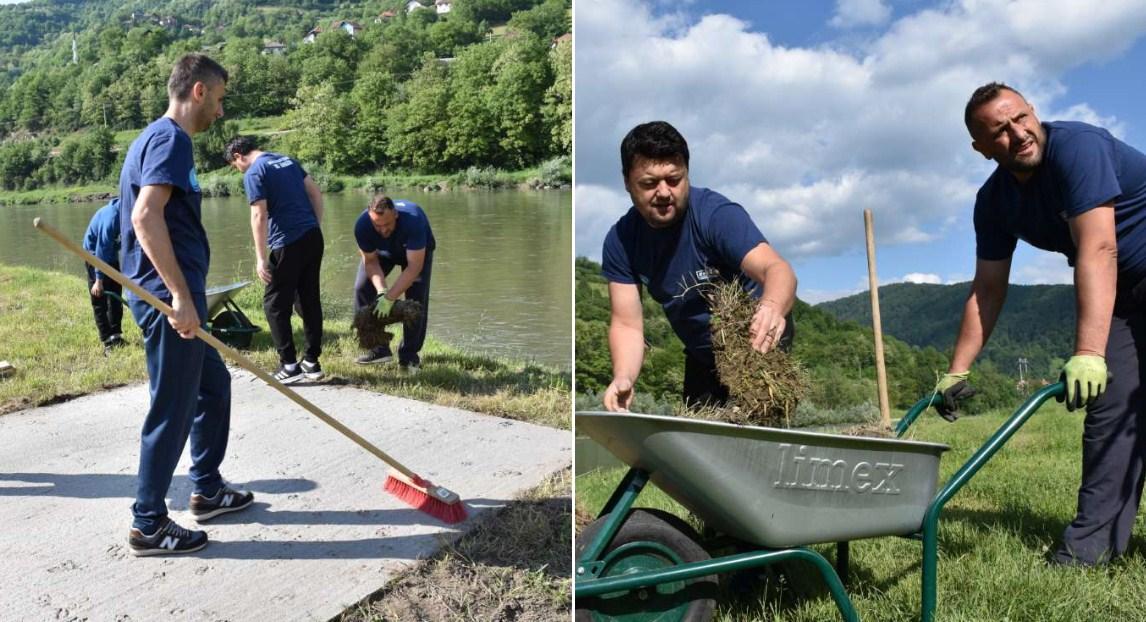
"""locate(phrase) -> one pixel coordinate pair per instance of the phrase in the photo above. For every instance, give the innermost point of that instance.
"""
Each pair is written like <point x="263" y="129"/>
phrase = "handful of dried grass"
<point x="764" y="388"/>
<point x="371" y="328"/>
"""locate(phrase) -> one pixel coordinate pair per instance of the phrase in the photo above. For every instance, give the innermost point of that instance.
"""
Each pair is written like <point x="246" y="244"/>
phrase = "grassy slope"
<point x="993" y="538"/>
<point x="49" y="335"/>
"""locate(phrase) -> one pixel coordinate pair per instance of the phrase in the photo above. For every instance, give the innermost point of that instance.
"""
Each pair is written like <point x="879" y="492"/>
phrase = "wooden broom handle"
<point x="231" y="353"/>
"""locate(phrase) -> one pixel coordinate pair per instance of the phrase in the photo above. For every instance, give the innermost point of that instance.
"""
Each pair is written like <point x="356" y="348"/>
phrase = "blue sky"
<point x="808" y="112"/>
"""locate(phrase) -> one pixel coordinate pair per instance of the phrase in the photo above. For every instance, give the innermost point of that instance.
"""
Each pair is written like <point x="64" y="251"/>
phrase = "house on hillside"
<point x="312" y="34"/>
<point x="443" y="6"/>
<point x="351" y="28"/>
<point x="385" y="16"/>
<point x="414" y="5"/>
<point x="273" y="47"/>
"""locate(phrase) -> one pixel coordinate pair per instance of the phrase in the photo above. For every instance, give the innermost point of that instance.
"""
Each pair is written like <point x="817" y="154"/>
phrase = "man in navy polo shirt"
<point x="102" y="240"/>
<point x="395" y="233"/>
<point x="673" y="238"/>
<point x="286" y="211"/>
<point x="1075" y="189"/>
<point x="165" y="251"/>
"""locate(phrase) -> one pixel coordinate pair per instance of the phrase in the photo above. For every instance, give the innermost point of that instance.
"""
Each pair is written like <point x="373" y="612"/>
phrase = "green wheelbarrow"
<point x="770" y="492"/>
<point x="227" y="321"/>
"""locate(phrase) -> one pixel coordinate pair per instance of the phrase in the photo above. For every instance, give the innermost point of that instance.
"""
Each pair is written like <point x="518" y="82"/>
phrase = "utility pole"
<point x="1024" y="368"/>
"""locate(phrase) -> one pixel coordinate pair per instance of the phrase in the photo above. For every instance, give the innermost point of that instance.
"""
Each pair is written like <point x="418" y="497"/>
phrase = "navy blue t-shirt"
<point x="1083" y="167"/>
<point x="277" y="179"/>
<point x="708" y="244"/>
<point x="162" y="155"/>
<point x="412" y="232"/>
<point x="102" y="237"/>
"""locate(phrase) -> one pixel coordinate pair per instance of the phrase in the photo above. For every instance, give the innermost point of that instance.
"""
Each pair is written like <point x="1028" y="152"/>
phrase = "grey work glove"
<point x="953" y="388"/>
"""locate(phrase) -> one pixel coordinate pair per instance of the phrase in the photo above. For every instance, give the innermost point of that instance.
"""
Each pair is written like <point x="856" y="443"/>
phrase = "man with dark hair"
<point x="1072" y="188"/>
<point x="102" y="240"/>
<point x="165" y="251"/>
<point x="286" y="211"/>
<point x="395" y="233"/>
<point x="672" y="239"/>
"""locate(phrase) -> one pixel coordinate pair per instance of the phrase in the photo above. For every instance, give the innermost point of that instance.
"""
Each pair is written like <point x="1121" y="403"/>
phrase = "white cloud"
<point x="851" y="13"/>
<point x="1042" y="269"/>
<point x="921" y="277"/>
<point x="597" y="208"/>
<point x="805" y="138"/>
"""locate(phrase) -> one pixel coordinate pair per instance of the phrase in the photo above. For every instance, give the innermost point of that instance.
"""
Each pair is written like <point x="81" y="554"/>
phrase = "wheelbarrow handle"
<point x="914" y="412"/>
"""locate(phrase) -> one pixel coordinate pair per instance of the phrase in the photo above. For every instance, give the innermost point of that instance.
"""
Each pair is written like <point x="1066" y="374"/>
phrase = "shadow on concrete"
<point x="111" y="485"/>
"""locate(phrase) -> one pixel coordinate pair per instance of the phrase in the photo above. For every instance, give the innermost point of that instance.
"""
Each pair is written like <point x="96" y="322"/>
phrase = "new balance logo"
<point x="227" y="500"/>
<point x="169" y="543"/>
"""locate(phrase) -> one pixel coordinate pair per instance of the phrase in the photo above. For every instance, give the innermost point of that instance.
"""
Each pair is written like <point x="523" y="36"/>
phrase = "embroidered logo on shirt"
<point x="707" y="274"/>
<point x="194" y="180"/>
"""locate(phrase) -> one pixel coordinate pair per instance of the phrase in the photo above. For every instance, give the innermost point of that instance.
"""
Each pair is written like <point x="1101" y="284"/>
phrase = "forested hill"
<point x="350" y="87"/>
<point x="1037" y="322"/>
<point x="839" y="357"/>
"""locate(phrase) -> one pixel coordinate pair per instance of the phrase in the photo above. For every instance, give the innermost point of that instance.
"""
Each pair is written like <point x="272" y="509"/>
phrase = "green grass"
<point x="994" y="536"/>
<point x="49" y="336"/>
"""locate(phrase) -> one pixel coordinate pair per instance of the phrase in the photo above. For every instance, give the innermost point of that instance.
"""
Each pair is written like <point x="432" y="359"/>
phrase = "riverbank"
<point x="50" y="338"/>
<point x="551" y="174"/>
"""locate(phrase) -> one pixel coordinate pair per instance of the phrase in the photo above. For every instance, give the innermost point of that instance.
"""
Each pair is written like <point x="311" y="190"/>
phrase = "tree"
<point x="417" y="129"/>
<point x="558" y="110"/>
<point x="320" y="128"/>
<point x="520" y="77"/>
<point x="548" y="20"/>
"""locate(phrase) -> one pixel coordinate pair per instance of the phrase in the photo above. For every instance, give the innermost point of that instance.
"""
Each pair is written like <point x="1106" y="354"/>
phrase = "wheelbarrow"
<point x="771" y="492"/>
<point x="227" y="321"/>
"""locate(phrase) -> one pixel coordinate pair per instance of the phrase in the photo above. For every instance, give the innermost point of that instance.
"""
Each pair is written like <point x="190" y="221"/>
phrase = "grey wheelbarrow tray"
<point x="780" y="490"/>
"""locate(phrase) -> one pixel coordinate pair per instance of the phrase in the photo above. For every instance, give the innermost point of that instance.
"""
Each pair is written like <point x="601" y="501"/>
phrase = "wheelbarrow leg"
<point x="842" y="561"/>
<point x="617" y="508"/>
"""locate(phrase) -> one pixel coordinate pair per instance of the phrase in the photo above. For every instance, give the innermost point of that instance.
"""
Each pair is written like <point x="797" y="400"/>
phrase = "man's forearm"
<point x="780" y="286"/>
<point x="979" y="316"/>
<point x="154" y="238"/>
<point x="1095" y="283"/>
<point x="374" y="273"/>
<point x="627" y="349"/>
<point x="259" y="233"/>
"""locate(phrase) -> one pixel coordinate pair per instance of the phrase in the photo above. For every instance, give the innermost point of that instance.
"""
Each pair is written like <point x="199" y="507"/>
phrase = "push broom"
<point x="403" y="483"/>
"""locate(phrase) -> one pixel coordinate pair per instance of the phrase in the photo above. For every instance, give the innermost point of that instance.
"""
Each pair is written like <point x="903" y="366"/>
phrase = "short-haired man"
<point x="395" y="233"/>
<point x="286" y="211"/>
<point x="1072" y="188"/>
<point x="102" y="240"/>
<point x="165" y="251"/>
<point x="673" y="238"/>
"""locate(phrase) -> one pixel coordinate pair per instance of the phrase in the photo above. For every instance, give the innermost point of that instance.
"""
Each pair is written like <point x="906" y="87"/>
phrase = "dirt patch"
<point x="513" y="567"/>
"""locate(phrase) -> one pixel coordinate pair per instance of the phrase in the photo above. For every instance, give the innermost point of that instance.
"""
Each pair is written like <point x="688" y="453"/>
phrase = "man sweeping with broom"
<point x="672" y="242"/>
<point x="165" y="251"/>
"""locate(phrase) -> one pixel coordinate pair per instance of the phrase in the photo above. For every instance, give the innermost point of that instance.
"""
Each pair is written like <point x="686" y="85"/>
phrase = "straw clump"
<point x="764" y="388"/>
<point x="371" y="327"/>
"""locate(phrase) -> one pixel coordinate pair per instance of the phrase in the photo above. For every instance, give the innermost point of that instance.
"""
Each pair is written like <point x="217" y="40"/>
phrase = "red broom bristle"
<point x="418" y="499"/>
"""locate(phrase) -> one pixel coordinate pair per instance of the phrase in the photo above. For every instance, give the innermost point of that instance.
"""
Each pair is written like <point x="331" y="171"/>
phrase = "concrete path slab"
<point x="321" y="535"/>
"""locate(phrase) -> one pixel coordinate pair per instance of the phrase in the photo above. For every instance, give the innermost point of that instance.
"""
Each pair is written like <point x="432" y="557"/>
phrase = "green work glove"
<point x="1085" y="378"/>
<point x="383" y="305"/>
<point x="953" y="388"/>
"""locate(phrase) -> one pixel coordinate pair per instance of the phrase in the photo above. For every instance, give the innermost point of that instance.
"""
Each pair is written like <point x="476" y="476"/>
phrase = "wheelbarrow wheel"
<point x="230" y="328"/>
<point x="652" y="532"/>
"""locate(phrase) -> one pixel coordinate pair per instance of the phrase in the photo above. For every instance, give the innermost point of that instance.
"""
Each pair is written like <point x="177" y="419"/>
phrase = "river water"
<point x="502" y="282"/>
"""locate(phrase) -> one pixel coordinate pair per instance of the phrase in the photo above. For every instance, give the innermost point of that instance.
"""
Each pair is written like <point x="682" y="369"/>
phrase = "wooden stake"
<point x="876" y="324"/>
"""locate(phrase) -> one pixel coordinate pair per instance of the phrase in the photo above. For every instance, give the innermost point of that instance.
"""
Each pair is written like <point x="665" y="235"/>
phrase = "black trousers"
<point x="702" y="385"/>
<point x="294" y="274"/>
<point x="1113" y="447"/>
<point x="108" y="311"/>
<point x="413" y="333"/>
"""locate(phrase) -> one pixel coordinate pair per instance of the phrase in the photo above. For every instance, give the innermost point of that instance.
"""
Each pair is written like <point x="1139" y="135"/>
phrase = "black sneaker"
<point x="375" y="356"/>
<point x="168" y="539"/>
<point x="286" y="375"/>
<point x="312" y="371"/>
<point x="115" y="341"/>
<point x="226" y="500"/>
